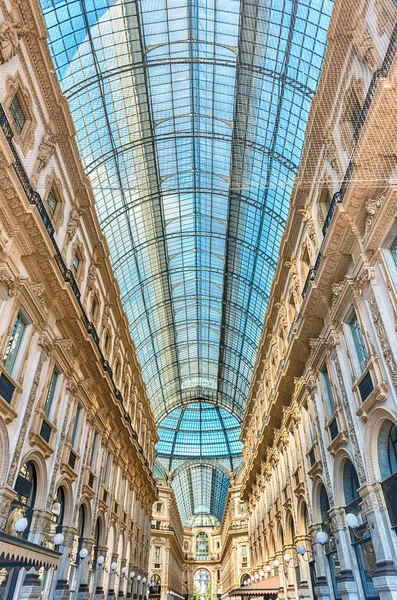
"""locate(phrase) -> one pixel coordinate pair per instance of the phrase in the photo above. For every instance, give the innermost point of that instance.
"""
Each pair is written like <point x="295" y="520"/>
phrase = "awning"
<point x="16" y="552"/>
<point x="268" y="588"/>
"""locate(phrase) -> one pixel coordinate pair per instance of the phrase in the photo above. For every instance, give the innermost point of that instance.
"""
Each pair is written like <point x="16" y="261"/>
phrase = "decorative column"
<point x="62" y="586"/>
<point x="84" y="572"/>
<point x="385" y="576"/>
<point x="123" y="578"/>
<point x="112" y="579"/>
<point x="303" y="587"/>
<point x="31" y="587"/>
<point x="130" y="582"/>
<point x="322" y="584"/>
<point x="98" y="578"/>
<point x="347" y="585"/>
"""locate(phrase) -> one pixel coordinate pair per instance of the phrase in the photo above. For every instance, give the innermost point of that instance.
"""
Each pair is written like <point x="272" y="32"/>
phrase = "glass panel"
<point x="14" y="343"/>
<point x="190" y="121"/>
<point x="327" y="392"/>
<point x="76" y="426"/>
<point x="358" y="341"/>
<point x="393" y="250"/>
<point x="17" y="113"/>
<point x="94" y="450"/>
<point x="51" y="392"/>
<point x="52" y="201"/>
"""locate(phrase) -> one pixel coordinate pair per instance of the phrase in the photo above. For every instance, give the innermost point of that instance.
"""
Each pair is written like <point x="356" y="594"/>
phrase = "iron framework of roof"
<point x="190" y="119"/>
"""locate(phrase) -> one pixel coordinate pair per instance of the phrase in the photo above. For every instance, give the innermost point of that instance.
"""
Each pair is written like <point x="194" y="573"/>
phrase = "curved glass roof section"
<point x="201" y="489"/>
<point x="199" y="430"/>
<point x="190" y="119"/>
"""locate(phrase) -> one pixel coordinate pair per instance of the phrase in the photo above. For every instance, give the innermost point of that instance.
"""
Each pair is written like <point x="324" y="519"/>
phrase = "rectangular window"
<point x="358" y="341"/>
<point x="14" y="343"/>
<point x="52" y="201"/>
<point x="76" y="263"/>
<point x="159" y="506"/>
<point x="51" y="392"/>
<point x="393" y="250"/>
<point x="107" y="469"/>
<point x="157" y="553"/>
<point x="327" y="391"/>
<point x="94" y="450"/>
<point x="17" y="113"/>
<point x="77" y="426"/>
<point x="355" y="114"/>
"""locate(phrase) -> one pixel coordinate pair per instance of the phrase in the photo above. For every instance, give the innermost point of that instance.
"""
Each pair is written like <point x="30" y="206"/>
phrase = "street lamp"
<point x="20" y="524"/>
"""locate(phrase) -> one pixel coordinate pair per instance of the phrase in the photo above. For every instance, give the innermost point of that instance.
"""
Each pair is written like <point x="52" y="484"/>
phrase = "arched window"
<point x="23" y="503"/>
<point x="361" y="537"/>
<point x="155" y="588"/>
<point x="202" y="545"/>
<point x="58" y="508"/>
<point x="387" y="457"/>
<point x="350" y="487"/>
<point x="97" y="536"/>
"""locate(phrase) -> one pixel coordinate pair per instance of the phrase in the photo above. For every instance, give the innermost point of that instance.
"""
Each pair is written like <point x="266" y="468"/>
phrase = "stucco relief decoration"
<point x="363" y="44"/>
<point x="331" y="151"/>
<point x="383" y="340"/>
<point x="373" y="206"/>
<point x="91" y="277"/>
<point x="74" y="221"/>
<point x="10" y="34"/>
<point x="6" y="278"/>
<point x="293" y="271"/>
<point x="313" y="343"/>
<point x="367" y="275"/>
<point x="337" y="290"/>
<point x="274" y="346"/>
<point x="309" y="224"/>
<point x="46" y="151"/>
<point x="282" y="316"/>
<point x="5" y="241"/>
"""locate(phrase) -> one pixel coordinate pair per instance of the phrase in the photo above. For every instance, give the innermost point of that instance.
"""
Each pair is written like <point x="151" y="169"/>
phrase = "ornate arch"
<point x="301" y="525"/>
<point x="339" y="463"/>
<point x="371" y="437"/>
<point x="66" y="484"/>
<point x="85" y="502"/>
<point x="42" y="478"/>
<point x="289" y="528"/>
<point x="318" y="482"/>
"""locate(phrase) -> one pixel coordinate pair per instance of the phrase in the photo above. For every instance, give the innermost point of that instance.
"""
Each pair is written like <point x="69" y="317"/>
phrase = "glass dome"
<point x="199" y="430"/>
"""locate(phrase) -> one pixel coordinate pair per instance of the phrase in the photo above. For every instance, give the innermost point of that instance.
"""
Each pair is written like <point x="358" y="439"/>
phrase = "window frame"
<point x="20" y="346"/>
<point x="76" y="431"/>
<point x="17" y="98"/>
<point x="359" y="363"/>
<point x="52" y="392"/>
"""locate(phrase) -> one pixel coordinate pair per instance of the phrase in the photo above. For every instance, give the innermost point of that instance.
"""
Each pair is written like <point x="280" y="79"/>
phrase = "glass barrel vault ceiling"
<point x="199" y="430"/>
<point x="190" y="119"/>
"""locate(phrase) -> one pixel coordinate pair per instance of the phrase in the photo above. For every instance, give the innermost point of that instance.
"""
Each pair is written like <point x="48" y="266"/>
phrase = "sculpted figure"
<point x="46" y="150"/>
<point x="10" y="32"/>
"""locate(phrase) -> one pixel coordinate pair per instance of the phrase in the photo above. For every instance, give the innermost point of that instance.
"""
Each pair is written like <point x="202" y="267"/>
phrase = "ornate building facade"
<point x="77" y="434"/>
<point x="320" y="427"/>
<point x="308" y="508"/>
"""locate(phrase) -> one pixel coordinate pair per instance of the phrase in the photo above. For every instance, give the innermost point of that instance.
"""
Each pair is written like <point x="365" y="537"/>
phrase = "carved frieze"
<point x="383" y="339"/>
<point x="373" y="207"/>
